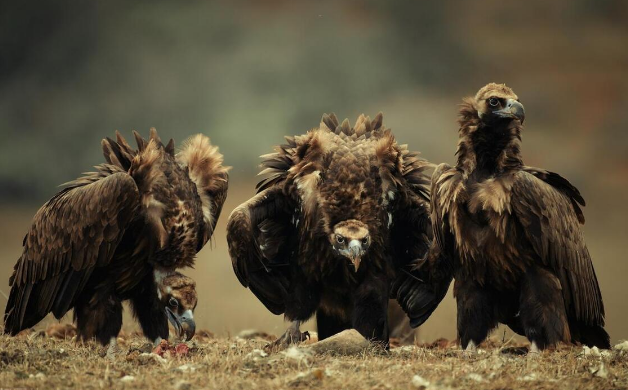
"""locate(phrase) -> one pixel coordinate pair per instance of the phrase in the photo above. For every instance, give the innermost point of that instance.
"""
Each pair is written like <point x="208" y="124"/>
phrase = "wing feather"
<point x="426" y="284"/>
<point x="74" y="232"/>
<point x="260" y="233"/>
<point x="548" y="208"/>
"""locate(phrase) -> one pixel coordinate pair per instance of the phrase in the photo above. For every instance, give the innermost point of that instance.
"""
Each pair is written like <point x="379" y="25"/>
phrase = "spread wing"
<point x="73" y="233"/>
<point x="428" y="281"/>
<point x="548" y="208"/>
<point x="262" y="238"/>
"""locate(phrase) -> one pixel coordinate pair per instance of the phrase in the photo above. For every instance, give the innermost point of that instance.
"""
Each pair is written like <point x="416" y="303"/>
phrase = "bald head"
<point x="495" y="102"/>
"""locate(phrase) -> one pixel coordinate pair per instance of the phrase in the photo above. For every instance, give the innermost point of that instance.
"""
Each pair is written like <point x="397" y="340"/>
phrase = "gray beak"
<point x="513" y="109"/>
<point x="184" y="325"/>
<point x="355" y="253"/>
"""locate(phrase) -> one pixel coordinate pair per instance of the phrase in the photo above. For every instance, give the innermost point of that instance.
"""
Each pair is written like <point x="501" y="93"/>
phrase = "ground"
<point x="48" y="360"/>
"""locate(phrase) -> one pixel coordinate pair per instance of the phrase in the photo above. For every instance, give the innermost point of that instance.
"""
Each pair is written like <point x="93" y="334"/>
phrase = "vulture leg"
<point x="370" y="315"/>
<point x="476" y="316"/>
<point x="99" y="317"/>
<point x="328" y="325"/>
<point x="149" y="311"/>
<point x="542" y="309"/>
<point x="292" y="335"/>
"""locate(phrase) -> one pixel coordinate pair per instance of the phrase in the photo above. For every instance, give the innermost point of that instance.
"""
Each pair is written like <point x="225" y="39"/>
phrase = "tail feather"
<point x="590" y="335"/>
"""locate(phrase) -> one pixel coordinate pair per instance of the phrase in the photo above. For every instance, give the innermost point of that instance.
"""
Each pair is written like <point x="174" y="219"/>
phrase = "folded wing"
<point x="72" y="234"/>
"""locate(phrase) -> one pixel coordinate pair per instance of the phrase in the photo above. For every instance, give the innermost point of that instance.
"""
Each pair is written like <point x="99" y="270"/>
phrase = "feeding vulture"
<point x="341" y="212"/>
<point x="119" y="233"/>
<point x="510" y="235"/>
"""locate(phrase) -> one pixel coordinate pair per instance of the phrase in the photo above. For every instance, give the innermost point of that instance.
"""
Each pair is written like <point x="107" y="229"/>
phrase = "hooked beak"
<point x="355" y="254"/>
<point x="513" y="109"/>
<point x="184" y="324"/>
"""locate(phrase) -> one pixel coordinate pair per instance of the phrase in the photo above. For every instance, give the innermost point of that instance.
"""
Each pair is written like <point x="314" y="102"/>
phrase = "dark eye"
<point x="493" y="102"/>
<point x="340" y="239"/>
<point x="365" y="241"/>
<point x="173" y="302"/>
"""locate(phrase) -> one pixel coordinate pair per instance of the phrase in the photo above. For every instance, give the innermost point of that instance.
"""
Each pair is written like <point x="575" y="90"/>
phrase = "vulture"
<point x="339" y="217"/>
<point x="509" y="235"/>
<point x="120" y="233"/>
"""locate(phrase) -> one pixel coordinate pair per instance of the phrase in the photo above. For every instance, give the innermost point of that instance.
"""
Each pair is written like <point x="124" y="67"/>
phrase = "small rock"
<point x="348" y="342"/>
<point x="255" y="355"/>
<point x="298" y="356"/>
<point x="600" y="372"/>
<point x="529" y="377"/>
<point x="183" y="385"/>
<point x="127" y="378"/>
<point x="475" y="377"/>
<point x="595" y="352"/>
<point x="40" y="376"/>
<point x="186" y="368"/>
<point x="146" y="358"/>
<point x="419" y="382"/>
<point x="309" y="377"/>
<point x="623" y="346"/>
<point x="586" y="351"/>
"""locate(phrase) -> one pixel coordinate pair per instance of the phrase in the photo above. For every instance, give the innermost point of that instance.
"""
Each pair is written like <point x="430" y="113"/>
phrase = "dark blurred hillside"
<point x="248" y="72"/>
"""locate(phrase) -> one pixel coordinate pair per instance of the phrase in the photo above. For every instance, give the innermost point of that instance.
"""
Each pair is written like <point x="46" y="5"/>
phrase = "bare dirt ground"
<point x="56" y="361"/>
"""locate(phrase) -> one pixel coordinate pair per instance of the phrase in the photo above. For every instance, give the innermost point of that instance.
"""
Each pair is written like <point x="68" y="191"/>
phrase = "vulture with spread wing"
<point x="510" y="235"/>
<point x="342" y="211"/>
<point x="119" y="234"/>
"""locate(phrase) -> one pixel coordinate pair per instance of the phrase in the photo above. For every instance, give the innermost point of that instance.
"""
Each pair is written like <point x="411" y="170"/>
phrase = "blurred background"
<point x="246" y="73"/>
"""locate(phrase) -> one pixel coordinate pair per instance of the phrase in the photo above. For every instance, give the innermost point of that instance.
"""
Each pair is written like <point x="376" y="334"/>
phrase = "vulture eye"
<point x="173" y="302"/>
<point x="340" y="239"/>
<point x="365" y="241"/>
<point x="493" y="102"/>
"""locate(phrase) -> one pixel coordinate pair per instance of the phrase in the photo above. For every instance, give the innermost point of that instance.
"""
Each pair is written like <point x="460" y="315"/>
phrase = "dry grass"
<point x="37" y="360"/>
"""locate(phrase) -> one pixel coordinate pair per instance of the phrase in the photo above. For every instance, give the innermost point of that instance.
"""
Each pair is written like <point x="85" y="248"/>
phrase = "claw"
<point x="292" y="336"/>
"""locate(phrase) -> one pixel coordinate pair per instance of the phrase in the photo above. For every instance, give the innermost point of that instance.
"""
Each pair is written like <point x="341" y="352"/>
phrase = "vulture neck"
<point x="489" y="149"/>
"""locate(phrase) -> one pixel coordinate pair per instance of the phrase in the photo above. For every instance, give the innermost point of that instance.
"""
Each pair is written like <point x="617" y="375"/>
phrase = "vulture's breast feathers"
<point x="345" y="183"/>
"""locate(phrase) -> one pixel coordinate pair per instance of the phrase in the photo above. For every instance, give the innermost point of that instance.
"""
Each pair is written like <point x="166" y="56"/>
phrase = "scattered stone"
<point x="528" y="378"/>
<point x="40" y="376"/>
<point x="255" y="355"/>
<point x="419" y="382"/>
<point x="310" y="377"/>
<point x="475" y="377"/>
<point x="595" y="352"/>
<point x="127" y="378"/>
<point x="623" y="346"/>
<point x="600" y="372"/>
<point x="183" y="385"/>
<point x="348" y="342"/>
<point x="186" y="368"/>
<point x="298" y="356"/>
<point x="147" y="358"/>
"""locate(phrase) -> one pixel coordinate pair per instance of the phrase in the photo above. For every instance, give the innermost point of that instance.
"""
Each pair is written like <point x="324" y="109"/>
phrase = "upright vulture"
<point x="510" y="236"/>
<point x="340" y="215"/>
<point x="119" y="233"/>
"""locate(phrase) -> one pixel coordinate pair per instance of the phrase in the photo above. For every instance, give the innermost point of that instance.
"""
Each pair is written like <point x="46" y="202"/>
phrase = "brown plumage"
<point x="117" y="234"/>
<point x="342" y="209"/>
<point x="509" y="234"/>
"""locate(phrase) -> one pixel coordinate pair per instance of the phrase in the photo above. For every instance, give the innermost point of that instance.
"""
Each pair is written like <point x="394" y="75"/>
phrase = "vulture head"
<point x="497" y="102"/>
<point x="177" y="293"/>
<point x="351" y="239"/>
